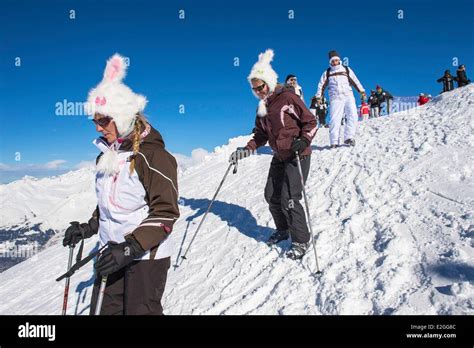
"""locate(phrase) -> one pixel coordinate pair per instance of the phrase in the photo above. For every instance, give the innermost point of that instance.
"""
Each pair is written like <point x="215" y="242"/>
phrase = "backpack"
<point x="328" y="75"/>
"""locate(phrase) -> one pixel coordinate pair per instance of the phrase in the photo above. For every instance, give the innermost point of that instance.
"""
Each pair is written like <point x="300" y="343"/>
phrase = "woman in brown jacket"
<point x="137" y="195"/>
<point x="289" y="127"/>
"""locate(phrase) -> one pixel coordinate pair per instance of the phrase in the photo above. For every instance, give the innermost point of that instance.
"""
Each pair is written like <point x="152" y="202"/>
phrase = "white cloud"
<point x="197" y="156"/>
<point x="84" y="164"/>
<point x="54" y="164"/>
<point x="19" y="166"/>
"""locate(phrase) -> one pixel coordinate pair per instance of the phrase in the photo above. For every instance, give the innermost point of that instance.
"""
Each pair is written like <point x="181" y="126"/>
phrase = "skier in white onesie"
<point x="339" y="79"/>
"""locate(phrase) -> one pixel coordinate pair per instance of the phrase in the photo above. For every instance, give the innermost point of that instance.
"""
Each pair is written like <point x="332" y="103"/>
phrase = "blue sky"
<point x="191" y="62"/>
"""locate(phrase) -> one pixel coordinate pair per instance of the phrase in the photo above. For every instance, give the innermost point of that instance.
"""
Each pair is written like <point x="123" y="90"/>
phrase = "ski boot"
<point x="350" y="142"/>
<point x="297" y="250"/>
<point x="277" y="237"/>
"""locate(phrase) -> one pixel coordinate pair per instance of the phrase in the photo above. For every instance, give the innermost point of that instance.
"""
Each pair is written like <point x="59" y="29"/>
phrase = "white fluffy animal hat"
<point x="263" y="70"/>
<point x="113" y="98"/>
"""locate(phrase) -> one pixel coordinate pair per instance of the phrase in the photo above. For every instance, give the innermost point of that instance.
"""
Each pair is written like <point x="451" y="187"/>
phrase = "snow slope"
<point x="393" y="221"/>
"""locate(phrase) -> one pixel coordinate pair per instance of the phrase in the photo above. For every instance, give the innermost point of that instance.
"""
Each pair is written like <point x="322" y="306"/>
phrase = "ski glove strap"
<point x="81" y="247"/>
<point x="79" y="264"/>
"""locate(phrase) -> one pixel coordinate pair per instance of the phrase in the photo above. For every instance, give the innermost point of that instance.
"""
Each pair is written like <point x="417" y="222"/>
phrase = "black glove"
<point x="117" y="256"/>
<point x="76" y="231"/>
<point x="239" y="154"/>
<point x="299" y="144"/>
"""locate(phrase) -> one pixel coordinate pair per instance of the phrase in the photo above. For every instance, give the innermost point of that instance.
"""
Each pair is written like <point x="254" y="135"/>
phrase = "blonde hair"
<point x="140" y="125"/>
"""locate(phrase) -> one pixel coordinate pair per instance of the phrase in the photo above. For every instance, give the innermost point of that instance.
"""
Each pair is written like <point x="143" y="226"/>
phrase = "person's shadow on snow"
<point x="320" y="148"/>
<point x="82" y="288"/>
<point x="453" y="271"/>
<point x="234" y="215"/>
<point x="267" y="150"/>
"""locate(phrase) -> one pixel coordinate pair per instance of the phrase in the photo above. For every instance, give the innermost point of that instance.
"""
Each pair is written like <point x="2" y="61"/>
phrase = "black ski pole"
<point x="66" y="287"/>
<point x="181" y="247"/>
<point x="208" y="209"/>
<point x="298" y="161"/>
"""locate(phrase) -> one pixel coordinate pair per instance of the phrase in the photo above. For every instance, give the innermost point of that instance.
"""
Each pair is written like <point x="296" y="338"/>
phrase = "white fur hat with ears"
<point x="263" y="70"/>
<point x="113" y="98"/>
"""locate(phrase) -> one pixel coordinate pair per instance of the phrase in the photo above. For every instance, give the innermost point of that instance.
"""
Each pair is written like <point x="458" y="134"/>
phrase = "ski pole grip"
<point x="75" y="224"/>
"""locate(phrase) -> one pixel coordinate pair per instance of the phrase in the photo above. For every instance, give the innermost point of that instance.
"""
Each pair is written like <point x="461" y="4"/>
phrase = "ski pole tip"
<point x="317" y="274"/>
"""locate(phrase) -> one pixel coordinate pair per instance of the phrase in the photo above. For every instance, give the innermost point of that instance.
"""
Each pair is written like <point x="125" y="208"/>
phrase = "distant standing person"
<point x="447" y="80"/>
<point x="384" y="96"/>
<point x="374" y="104"/>
<point x="364" y="111"/>
<point x="461" y="76"/>
<point x="423" y="99"/>
<point x="339" y="79"/>
<point x="291" y="83"/>
<point x="319" y="109"/>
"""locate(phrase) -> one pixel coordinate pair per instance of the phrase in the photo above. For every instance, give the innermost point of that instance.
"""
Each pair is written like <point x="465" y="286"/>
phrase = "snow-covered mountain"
<point x="33" y="210"/>
<point x="393" y="222"/>
<point x="48" y="201"/>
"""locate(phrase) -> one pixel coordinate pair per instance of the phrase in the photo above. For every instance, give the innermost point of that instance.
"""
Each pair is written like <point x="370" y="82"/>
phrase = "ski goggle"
<point x="259" y="88"/>
<point x="103" y="121"/>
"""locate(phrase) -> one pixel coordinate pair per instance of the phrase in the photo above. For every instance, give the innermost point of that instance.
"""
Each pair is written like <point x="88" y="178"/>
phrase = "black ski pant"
<point x="133" y="290"/>
<point x="322" y="118"/>
<point x="283" y="193"/>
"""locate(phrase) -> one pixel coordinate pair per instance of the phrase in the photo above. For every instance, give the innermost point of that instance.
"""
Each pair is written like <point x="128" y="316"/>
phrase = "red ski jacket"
<point x="422" y="100"/>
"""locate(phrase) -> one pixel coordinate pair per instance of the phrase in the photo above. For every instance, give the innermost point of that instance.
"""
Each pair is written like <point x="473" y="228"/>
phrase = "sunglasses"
<point x="103" y="121"/>
<point x="259" y="88"/>
<point x="292" y="79"/>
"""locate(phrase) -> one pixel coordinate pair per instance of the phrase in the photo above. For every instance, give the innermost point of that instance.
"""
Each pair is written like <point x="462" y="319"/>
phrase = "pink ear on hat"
<point x="115" y="69"/>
